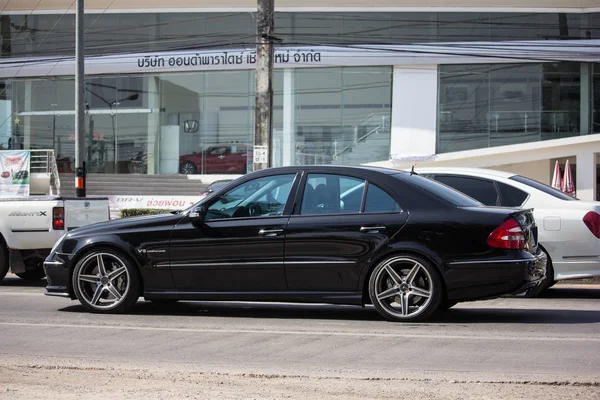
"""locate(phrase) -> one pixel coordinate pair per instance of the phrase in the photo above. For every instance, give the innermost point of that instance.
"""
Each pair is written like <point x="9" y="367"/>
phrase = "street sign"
<point x="261" y="154"/>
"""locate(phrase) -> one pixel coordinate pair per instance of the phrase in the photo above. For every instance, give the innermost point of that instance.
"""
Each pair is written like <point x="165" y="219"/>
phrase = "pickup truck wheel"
<point x="405" y="288"/>
<point x="3" y="261"/>
<point x="31" y="275"/>
<point x="106" y="281"/>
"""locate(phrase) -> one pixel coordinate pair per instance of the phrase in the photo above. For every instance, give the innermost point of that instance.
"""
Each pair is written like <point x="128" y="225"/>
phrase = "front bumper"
<point x="58" y="275"/>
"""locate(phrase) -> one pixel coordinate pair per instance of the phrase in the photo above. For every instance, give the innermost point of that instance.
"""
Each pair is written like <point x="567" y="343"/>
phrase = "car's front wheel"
<point x="106" y="281"/>
<point x="405" y="288"/>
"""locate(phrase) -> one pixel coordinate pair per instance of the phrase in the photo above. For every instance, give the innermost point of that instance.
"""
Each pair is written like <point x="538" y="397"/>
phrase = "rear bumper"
<point x="481" y="279"/>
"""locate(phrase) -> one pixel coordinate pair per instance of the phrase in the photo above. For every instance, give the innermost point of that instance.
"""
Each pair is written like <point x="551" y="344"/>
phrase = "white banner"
<point x="14" y="173"/>
<point x="167" y="203"/>
<point x="313" y="56"/>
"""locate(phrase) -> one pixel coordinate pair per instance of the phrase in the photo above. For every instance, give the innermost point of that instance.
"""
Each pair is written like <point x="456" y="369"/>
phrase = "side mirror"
<point x="197" y="214"/>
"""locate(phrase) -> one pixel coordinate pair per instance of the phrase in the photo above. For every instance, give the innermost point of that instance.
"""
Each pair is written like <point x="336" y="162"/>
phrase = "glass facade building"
<point x="158" y="122"/>
<point x="488" y="105"/>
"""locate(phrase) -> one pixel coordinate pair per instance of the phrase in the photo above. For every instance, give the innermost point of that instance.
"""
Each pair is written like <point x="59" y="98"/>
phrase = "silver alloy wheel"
<point x="103" y="281"/>
<point x="403" y="287"/>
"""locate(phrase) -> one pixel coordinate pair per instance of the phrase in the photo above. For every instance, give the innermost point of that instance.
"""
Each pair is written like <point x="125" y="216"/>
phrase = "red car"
<point x="218" y="159"/>
<point x="5" y="174"/>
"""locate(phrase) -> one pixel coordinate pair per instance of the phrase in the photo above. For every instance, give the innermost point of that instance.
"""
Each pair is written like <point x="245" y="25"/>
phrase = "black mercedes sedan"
<point x="326" y="234"/>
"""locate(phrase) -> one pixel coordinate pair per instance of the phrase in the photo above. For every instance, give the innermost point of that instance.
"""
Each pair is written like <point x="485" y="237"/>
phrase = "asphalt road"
<point x="553" y="340"/>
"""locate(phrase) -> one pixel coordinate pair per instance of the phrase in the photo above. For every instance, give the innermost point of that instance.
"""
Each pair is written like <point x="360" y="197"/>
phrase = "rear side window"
<point x="511" y="196"/>
<point x="480" y="189"/>
<point x="438" y="190"/>
<point x="378" y="201"/>
<point x="544" y="188"/>
<point x="332" y="194"/>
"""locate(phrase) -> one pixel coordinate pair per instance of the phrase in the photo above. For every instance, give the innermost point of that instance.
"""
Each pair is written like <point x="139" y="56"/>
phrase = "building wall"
<point x="539" y="170"/>
<point x="294" y="4"/>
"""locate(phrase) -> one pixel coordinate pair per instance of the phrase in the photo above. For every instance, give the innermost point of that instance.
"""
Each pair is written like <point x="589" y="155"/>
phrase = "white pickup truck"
<point x="30" y="226"/>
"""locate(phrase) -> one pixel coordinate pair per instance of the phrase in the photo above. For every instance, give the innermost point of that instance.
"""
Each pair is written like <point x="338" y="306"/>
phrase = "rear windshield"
<point x="544" y="188"/>
<point x="441" y="191"/>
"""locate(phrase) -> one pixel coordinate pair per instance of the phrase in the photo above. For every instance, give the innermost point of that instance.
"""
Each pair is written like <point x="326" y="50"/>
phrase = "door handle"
<point x="270" y="232"/>
<point x="371" y="228"/>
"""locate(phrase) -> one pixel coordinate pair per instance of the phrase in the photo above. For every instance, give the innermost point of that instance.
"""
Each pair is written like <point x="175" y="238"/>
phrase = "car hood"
<point x="142" y="222"/>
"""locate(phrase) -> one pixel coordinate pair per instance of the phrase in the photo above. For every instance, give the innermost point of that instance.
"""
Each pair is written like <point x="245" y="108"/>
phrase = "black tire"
<point x="398" y="278"/>
<point x="31" y="275"/>
<point x="187" y="168"/>
<point x="34" y="269"/>
<point x="94" y="282"/>
<point x="3" y="261"/>
<point x="546" y="283"/>
<point x="446" y="305"/>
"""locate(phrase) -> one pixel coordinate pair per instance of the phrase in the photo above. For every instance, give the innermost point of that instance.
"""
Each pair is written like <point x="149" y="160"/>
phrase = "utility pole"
<point x="80" y="173"/>
<point x="263" y="114"/>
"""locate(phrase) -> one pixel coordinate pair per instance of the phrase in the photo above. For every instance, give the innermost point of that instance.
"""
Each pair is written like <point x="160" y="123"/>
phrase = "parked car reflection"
<point x="219" y="159"/>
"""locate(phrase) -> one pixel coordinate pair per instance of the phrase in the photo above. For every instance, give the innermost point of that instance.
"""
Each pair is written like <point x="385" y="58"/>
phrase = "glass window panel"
<point x="464" y="107"/>
<point x="502" y="104"/>
<point x="459" y="27"/>
<point x="514" y="115"/>
<point x="481" y="190"/>
<point x="596" y="99"/>
<point x="332" y="194"/>
<point x="202" y="112"/>
<point x="378" y="201"/>
<point x="511" y="196"/>
<point x="132" y="32"/>
<point x="258" y="197"/>
<point x="561" y="100"/>
<point x="342" y="115"/>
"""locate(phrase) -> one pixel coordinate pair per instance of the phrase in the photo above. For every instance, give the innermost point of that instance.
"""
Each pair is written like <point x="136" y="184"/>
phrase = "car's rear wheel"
<point x="187" y="168"/>
<point x="106" y="281"/>
<point x="405" y="288"/>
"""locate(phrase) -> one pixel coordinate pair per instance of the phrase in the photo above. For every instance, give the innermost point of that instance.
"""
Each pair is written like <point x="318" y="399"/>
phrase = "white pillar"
<point x="586" y="176"/>
<point x="414" y="111"/>
<point x="28" y="101"/>
<point x="152" y="147"/>
<point x="289" y="118"/>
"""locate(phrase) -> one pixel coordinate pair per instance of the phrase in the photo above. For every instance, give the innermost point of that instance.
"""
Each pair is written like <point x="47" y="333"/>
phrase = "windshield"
<point x="544" y="188"/>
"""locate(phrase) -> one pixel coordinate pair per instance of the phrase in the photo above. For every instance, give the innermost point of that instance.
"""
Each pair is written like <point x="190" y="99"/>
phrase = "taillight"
<point x="58" y="218"/>
<point x="592" y="221"/>
<point x="509" y="235"/>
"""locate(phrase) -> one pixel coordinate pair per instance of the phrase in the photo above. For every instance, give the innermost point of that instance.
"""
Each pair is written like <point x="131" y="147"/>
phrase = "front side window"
<point x="259" y="197"/>
<point x="332" y="194"/>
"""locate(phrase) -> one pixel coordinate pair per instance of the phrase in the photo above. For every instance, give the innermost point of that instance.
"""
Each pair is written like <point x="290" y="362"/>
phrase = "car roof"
<point x="482" y="172"/>
<point x="357" y="168"/>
